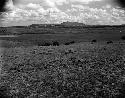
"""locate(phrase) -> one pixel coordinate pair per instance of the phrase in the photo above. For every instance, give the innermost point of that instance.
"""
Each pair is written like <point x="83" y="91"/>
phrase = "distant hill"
<point x="65" y="24"/>
<point x="65" y="27"/>
<point x="72" y="24"/>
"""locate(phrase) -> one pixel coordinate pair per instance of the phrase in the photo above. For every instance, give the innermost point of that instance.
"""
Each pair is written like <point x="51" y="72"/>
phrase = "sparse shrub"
<point x="121" y="91"/>
<point x="4" y="92"/>
<point x="69" y="51"/>
<point x="39" y="43"/>
<point x="67" y="72"/>
<point x="46" y="44"/>
<point x="109" y="42"/>
<point x="123" y="37"/>
<point x="68" y="43"/>
<point x="93" y="41"/>
<point x="55" y="43"/>
<point x="72" y="42"/>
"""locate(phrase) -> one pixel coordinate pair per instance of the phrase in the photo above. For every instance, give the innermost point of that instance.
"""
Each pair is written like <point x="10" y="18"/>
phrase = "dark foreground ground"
<point x="81" y="70"/>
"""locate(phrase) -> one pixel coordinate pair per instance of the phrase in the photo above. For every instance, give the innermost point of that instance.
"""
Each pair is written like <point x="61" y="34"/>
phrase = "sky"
<point x="90" y="12"/>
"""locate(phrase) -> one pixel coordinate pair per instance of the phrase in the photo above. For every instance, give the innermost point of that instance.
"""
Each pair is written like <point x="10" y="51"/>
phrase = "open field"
<point x="58" y="62"/>
<point x="41" y="39"/>
<point x="81" y="70"/>
<point x="38" y="35"/>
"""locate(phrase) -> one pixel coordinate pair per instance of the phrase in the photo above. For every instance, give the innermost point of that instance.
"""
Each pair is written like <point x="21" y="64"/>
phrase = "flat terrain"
<point x="40" y="35"/>
<point x="81" y="70"/>
<point x="92" y="65"/>
<point x="40" y="39"/>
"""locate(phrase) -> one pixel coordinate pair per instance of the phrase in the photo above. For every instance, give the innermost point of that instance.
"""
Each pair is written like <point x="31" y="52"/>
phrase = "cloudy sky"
<point x="92" y="12"/>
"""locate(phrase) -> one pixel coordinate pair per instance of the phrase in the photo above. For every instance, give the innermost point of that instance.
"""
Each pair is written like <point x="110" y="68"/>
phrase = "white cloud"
<point x="53" y="3"/>
<point x="33" y="6"/>
<point x="77" y="13"/>
<point x="78" y="6"/>
<point x="29" y="6"/>
<point x="84" y="1"/>
<point x="50" y="3"/>
<point x="97" y="16"/>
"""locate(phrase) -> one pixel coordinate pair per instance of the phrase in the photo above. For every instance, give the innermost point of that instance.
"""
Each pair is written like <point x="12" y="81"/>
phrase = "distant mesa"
<point x="58" y="25"/>
<point x="72" y="24"/>
<point x="65" y="25"/>
<point x="40" y="25"/>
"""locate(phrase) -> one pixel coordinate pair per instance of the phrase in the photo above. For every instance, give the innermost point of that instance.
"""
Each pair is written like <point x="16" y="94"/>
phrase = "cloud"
<point x="53" y="3"/>
<point x="29" y="6"/>
<point x="84" y="1"/>
<point x="75" y="13"/>
<point x="50" y="3"/>
<point x="29" y="12"/>
<point x="99" y="16"/>
<point x="33" y="6"/>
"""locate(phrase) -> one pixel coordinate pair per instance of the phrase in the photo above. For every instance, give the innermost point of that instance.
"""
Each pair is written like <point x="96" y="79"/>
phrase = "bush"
<point x="46" y="44"/>
<point x="93" y="41"/>
<point x="55" y="43"/>
<point x="72" y="42"/>
<point x="4" y="92"/>
<point x="123" y="37"/>
<point x="68" y="43"/>
<point x="109" y="42"/>
<point x="121" y="91"/>
<point x="39" y="43"/>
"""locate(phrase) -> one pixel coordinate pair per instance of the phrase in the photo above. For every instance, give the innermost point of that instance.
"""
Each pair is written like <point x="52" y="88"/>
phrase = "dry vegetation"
<point x="81" y="70"/>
